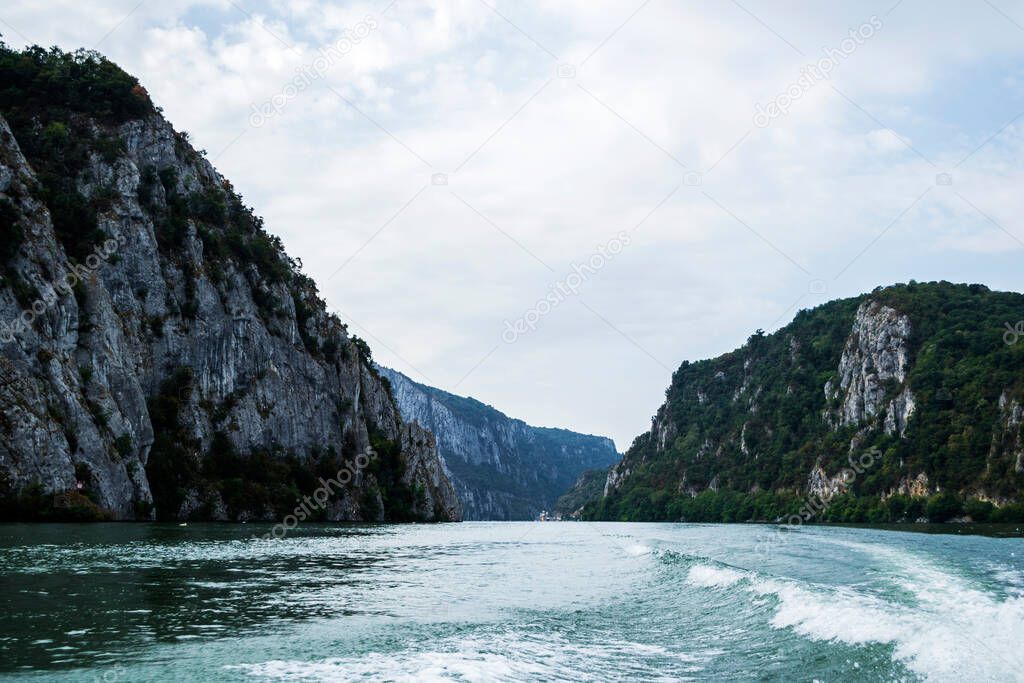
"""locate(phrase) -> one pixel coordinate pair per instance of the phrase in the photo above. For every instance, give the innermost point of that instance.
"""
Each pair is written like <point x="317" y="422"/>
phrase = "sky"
<point x="550" y="205"/>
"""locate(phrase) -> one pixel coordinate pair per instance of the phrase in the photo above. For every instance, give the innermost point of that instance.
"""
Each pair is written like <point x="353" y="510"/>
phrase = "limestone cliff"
<point x="875" y="354"/>
<point x="159" y="352"/>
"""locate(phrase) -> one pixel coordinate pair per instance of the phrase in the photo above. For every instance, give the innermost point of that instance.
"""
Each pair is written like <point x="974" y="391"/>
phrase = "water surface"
<point x="508" y="601"/>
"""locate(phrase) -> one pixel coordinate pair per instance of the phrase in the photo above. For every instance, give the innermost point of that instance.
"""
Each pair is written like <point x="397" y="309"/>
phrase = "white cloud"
<point x="559" y="172"/>
<point x="886" y="140"/>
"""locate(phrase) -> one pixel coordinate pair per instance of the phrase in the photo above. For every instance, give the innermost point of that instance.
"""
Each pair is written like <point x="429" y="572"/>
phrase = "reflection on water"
<point x="77" y="594"/>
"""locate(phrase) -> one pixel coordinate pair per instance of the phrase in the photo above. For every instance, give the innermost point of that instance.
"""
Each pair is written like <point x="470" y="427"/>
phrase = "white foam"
<point x="826" y="617"/>
<point x="504" y="657"/>
<point x="713" y="577"/>
<point x="411" y="667"/>
<point x="949" y="631"/>
<point x="1011" y="578"/>
<point x="637" y="549"/>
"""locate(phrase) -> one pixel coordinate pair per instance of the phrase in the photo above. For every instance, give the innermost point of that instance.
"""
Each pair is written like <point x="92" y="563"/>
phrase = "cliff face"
<point x="160" y="354"/>
<point x="875" y="354"/>
<point x="502" y="468"/>
<point x="910" y="391"/>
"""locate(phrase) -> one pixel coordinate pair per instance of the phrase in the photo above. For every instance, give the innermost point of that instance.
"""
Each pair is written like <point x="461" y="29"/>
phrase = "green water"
<point x="508" y="601"/>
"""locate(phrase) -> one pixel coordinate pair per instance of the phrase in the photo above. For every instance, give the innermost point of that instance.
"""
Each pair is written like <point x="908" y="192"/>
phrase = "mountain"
<point x="160" y="355"/>
<point x="902" y="404"/>
<point x="502" y="468"/>
<point x="588" y="487"/>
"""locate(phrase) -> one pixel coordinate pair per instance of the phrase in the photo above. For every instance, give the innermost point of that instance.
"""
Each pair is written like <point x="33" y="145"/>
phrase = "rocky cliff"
<point x="502" y="468"/>
<point x="875" y="355"/>
<point x="160" y="354"/>
<point x="899" y="404"/>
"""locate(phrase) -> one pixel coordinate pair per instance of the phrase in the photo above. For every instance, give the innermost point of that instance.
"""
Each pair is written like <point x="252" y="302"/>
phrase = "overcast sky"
<point x="453" y="163"/>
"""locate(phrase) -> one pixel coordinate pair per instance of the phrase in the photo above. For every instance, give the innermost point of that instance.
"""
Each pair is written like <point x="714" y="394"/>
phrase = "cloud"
<point x="886" y="140"/>
<point x="541" y="169"/>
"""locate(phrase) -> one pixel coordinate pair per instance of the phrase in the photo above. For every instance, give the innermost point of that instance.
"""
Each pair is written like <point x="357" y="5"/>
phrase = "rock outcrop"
<point x="875" y="355"/>
<point x="1009" y="436"/>
<point x="502" y="468"/>
<point x="914" y="487"/>
<point x="821" y="485"/>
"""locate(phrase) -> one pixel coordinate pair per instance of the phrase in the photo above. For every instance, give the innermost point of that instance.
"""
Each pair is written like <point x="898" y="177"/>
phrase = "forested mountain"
<point x="502" y="468"/>
<point x="160" y="355"/>
<point x="896" y="405"/>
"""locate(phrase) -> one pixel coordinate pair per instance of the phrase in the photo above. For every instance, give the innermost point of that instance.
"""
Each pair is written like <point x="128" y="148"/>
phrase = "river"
<point x="508" y="601"/>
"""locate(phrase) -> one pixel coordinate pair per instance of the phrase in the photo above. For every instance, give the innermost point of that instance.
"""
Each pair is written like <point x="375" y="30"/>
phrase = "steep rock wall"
<point x="189" y="287"/>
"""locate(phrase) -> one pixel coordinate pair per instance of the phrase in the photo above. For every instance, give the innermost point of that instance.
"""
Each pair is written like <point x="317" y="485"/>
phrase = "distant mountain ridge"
<point x="501" y="467"/>
<point x="901" y="404"/>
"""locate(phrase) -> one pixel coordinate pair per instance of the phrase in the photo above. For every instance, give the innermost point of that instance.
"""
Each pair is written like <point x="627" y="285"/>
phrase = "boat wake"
<point x="507" y="656"/>
<point x="940" y="625"/>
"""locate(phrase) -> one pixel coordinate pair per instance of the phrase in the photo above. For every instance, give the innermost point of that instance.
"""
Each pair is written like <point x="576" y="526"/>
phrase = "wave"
<point x="948" y="629"/>
<point x="707" y="576"/>
<point x="638" y="549"/>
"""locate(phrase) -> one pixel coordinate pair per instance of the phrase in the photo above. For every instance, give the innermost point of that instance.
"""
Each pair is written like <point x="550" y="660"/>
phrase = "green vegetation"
<point x="303" y="313"/>
<point x="363" y="349"/>
<point x="42" y="82"/>
<point x="24" y="291"/>
<point x="768" y="399"/>
<point x="172" y="467"/>
<point x="11" y="234"/>
<point x="123" y="445"/>
<point x="590" y="486"/>
<point x="388" y="468"/>
<point x="250" y="485"/>
<point x="644" y="504"/>
<point x="263" y="480"/>
<point x="243" y="236"/>
<point x="261" y="483"/>
<point x="54" y="102"/>
<point x="45" y="96"/>
<point x="64" y="108"/>
<point x="33" y="504"/>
